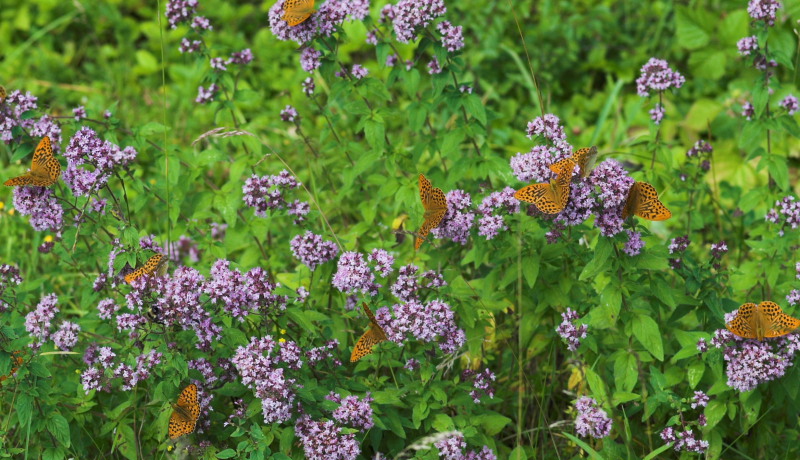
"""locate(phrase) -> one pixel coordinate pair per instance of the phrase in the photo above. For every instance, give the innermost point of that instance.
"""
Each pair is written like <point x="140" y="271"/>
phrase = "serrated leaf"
<point x="58" y="426"/>
<point x="646" y="331"/>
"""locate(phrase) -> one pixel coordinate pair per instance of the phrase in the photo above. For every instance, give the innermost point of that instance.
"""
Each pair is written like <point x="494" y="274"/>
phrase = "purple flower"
<point x="490" y="225"/>
<point x="634" y="244"/>
<point x="481" y="384"/>
<point x="434" y="67"/>
<point x="452" y="448"/>
<point x="66" y="337"/>
<point x="218" y="63"/>
<point x="289" y="114"/>
<point x="372" y="37"/>
<point x="684" y="440"/>
<point x="407" y="284"/>
<point x="391" y="60"/>
<point x="549" y="127"/>
<point x="107" y="308"/>
<point x="786" y="214"/>
<point x="358" y="72"/>
<point x="678" y="244"/>
<point x="204" y="96"/>
<point x="700" y="400"/>
<point x="383" y="261"/>
<point x="201" y="23"/>
<point x="324" y="440"/>
<point x="242" y="57"/>
<point x="309" y="86"/>
<point x="763" y="10"/>
<point x="700" y="148"/>
<point x="702" y="346"/>
<point x="353" y="275"/>
<point x="752" y="362"/>
<point x="218" y="231"/>
<point x="790" y="104"/>
<point x="747" y="45"/>
<point x="458" y="221"/>
<point x="657" y="114"/>
<point x="79" y="113"/>
<point x="302" y="294"/>
<point x="299" y="209"/>
<point x="591" y="420"/>
<point x="310" y="59"/>
<point x="242" y="294"/>
<point x="312" y="250"/>
<point x="452" y="37"/>
<point x="534" y="166"/>
<point x="719" y="249"/>
<point x="353" y="411"/>
<point x="465" y="89"/>
<point x="41" y="204"/>
<point x="39" y="322"/>
<point x="569" y="332"/>
<point x="266" y="192"/>
<point x="321" y="24"/>
<point x="189" y="46"/>
<point x="408" y="16"/>
<point x="411" y="365"/>
<point x="434" y="321"/>
<point x="179" y="11"/>
<point x="748" y="111"/>
<point x="657" y="76"/>
<point x="15" y="113"/>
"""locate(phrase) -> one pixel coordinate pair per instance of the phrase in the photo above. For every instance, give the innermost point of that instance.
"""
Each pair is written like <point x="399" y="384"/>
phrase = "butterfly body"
<point x="374" y="335"/>
<point x="45" y="168"/>
<point x="185" y="413"/>
<point x="297" y="11"/>
<point x="550" y="197"/>
<point x="156" y="262"/>
<point x="583" y="157"/>
<point x="763" y="320"/>
<point x="643" y="201"/>
<point x="435" y="204"/>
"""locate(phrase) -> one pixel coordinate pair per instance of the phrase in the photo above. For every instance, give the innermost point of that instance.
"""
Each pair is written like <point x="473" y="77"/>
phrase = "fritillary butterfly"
<point x="297" y="11"/>
<point x="643" y="201"/>
<point x="763" y="320"/>
<point x="2" y="94"/>
<point x="185" y="413"/>
<point x="374" y="335"/>
<point x="45" y="169"/>
<point x="435" y="204"/>
<point x="156" y="262"/>
<point x="550" y="197"/>
<point x="584" y="158"/>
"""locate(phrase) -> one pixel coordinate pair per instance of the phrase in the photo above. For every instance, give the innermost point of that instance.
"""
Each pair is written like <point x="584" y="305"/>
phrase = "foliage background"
<point x="640" y="359"/>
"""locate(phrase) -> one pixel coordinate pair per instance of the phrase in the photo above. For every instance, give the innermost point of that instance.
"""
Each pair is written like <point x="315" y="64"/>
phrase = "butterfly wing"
<point x="297" y="11"/>
<point x="45" y="168"/>
<point x="743" y="323"/>
<point x="2" y="94"/>
<point x="435" y="203"/>
<point x="155" y="262"/>
<point x="643" y="202"/>
<point x="374" y="335"/>
<point x="776" y="322"/>
<point x="552" y="197"/>
<point x="185" y="413"/>
<point x="583" y="157"/>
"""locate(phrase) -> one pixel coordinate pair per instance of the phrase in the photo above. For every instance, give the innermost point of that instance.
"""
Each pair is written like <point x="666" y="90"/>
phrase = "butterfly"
<point x="763" y="320"/>
<point x="297" y="11"/>
<point x="156" y="262"/>
<point x="584" y="158"/>
<point x="550" y="197"/>
<point x="643" y="202"/>
<point x="374" y="335"/>
<point x="435" y="204"/>
<point x="45" y="169"/>
<point x="185" y="413"/>
<point x="16" y="361"/>
<point x="2" y="94"/>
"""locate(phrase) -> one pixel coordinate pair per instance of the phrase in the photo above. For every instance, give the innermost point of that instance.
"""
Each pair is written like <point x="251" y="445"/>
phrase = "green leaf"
<point x="492" y="423"/>
<point x="657" y="452"/>
<point x="518" y="453"/>
<point x="227" y="453"/>
<point x="779" y="170"/>
<point x="621" y="397"/>
<point x="690" y="34"/>
<point x="601" y="253"/>
<point x="714" y="412"/>
<point x="474" y="106"/>
<point x="646" y="331"/>
<point x="595" y="455"/>
<point x="695" y="372"/>
<point x="530" y="268"/>
<point x="626" y="371"/>
<point x="24" y="408"/>
<point x="58" y="426"/>
<point x="375" y="131"/>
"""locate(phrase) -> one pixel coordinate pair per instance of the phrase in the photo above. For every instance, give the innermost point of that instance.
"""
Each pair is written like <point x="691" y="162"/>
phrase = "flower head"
<point x="591" y="420"/>
<point x="656" y="75"/>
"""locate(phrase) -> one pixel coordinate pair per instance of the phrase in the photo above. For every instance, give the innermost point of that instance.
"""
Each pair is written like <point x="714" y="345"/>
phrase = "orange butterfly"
<point x="2" y="94"/>
<point x="45" y="169"/>
<point x="374" y="335"/>
<point x="297" y="11"/>
<point x="185" y="413"/>
<point x="763" y="320"/>
<point x="435" y="204"/>
<point x="643" y="202"/>
<point x="156" y="262"/>
<point x="550" y="197"/>
<point x="584" y="158"/>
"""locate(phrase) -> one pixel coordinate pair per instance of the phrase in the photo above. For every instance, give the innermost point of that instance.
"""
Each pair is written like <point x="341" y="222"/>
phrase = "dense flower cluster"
<point x="452" y="36"/>
<point x="205" y="96"/>
<point x="353" y="275"/>
<point x="352" y="411"/>
<point x="40" y="203"/>
<point x="747" y="45"/>
<point x="325" y="441"/>
<point x="322" y="23"/>
<point x="790" y="104"/>
<point x="634" y="244"/>
<point x="39" y="322"/>
<point x="91" y="161"/>
<point x="569" y="332"/>
<point x="591" y="420"/>
<point x="179" y="11"/>
<point x="684" y="441"/>
<point x="534" y="166"/>
<point x="310" y="59"/>
<point x="452" y="448"/>
<point x="459" y="219"/>
<point x="242" y="294"/>
<point x="14" y="112"/>
<point x="408" y="282"/>
<point x="786" y="213"/>
<point x="490" y="225"/>
<point x="267" y="192"/>
<point x="383" y="261"/>
<point x="289" y="114"/>
<point x="433" y="321"/>
<point x="481" y="383"/>
<point x="657" y="76"/>
<point x="408" y="16"/>
<point x="549" y="127"/>
<point x="312" y="250"/>
<point x="763" y="10"/>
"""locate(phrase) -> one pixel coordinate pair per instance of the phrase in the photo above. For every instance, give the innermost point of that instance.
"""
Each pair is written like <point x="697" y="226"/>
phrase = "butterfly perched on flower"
<point x="435" y="204"/>
<point x="297" y="11"/>
<point x="583" y="157"/>
<point x="374" y="335"/>
<point x="763" y="320"/>
<point x="550" y="197"/>
<point x="156" y="262"/>
<point x="643" y="202"/>
<point x="45" y="169"/>
<point x="184" y="413"/>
